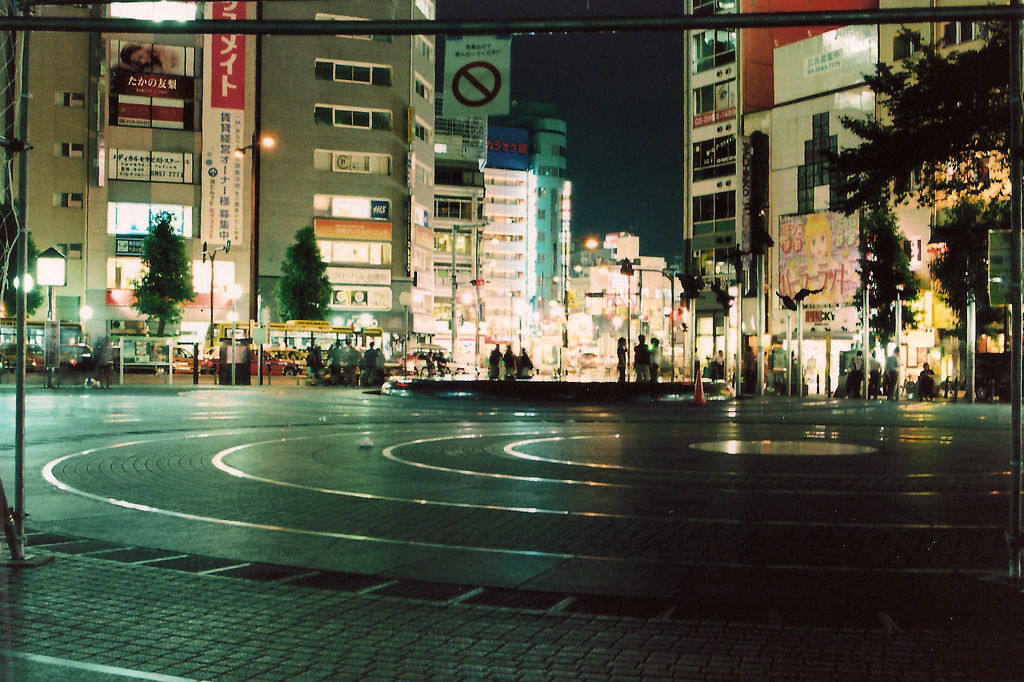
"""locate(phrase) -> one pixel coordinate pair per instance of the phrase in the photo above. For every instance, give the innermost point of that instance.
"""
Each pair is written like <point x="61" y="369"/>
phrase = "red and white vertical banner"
<point x="223" y="129"/>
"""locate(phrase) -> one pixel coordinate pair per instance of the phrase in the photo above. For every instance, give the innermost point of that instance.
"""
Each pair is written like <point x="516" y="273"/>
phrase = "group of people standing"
<point x="514" y="367"/>
<point x="646" y="359"/>
<point x="345" y="365"/>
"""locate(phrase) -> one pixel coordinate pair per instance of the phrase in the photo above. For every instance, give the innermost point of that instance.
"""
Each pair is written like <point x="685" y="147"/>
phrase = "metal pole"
<point x="1014" y="538"/>
<point x="629" y="324"/>
<point x="899" y="328"/>
<point x="672" y="321"/>
<point x="789" y="351"/>
<point x="865" y="340"/>
<point x="17" y="513"/>
<point x="213" y="257"/>
<point x="972" y="335"/>
<point x="455" y="284"/>
<point x="800" y="347"/>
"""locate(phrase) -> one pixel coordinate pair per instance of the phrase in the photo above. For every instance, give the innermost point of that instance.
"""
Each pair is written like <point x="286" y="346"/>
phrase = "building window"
<point x="817" y="171"/>
<point x="323" y="16"/>
<point x="351" y="162"/>
<point x="714" y="158"/>
<point x="713" y="48"/>
<point x="350" y="72"/>
<point x="906" y="44"/>
<point x="342" y="117"/>
<point x="71" y="251"/>
<point x="75" y="100"/>
<point x="714" y="212"/>
<point x="71" y="150"/>
<point x="132" y="218"/>
<point x="426" y="8"/>
<point x="956" y="32"/>
<point x="451" y="207"/>
<point x="423" y="90"/>
<point x="355" y="252"/>
<point x="426" y="48"/>
<point x="421" y="131"/>
<point x="69" y="199"/>
<point x="706" y="7"/>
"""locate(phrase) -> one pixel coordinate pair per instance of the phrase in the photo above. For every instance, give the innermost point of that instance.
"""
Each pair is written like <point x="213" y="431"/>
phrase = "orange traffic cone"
<point x="698" y="386"/>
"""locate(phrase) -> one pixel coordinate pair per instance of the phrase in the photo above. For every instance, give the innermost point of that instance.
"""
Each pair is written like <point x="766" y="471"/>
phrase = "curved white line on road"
<point x="53" y="480"/>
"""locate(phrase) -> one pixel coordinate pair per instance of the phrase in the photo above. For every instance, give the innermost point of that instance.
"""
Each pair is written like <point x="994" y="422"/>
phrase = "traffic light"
<point x="760" y="236"/>
<point x="692" y="285"/>
<point x="721" y="295"/>
<point x="626" y="268"/>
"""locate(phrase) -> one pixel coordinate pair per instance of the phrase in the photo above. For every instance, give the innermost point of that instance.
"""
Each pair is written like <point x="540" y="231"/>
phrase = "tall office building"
<point x="127" y="126"/>
<point x="354" y="119"/>
<point x="547" y="159"/>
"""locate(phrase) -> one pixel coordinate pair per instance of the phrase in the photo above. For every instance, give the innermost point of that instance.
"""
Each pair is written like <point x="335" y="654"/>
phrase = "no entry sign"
<point x="476" y="76"/>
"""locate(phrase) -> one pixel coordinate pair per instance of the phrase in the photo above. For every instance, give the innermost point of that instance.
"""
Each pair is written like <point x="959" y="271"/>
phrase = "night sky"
<point x="621" y="95"/>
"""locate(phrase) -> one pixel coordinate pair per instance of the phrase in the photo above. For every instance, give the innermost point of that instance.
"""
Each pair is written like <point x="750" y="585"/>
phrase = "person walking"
<point x="352" y="359"/>
<point x="336" y="358"/>
<point x="855" y="377"/>
<point x="494" y="364"/>
<point x="718" y="367"/>
<point x="622" y="353"/>
<point x="642" y="360"/>
<point x="369" y="365"/>
<point x="655" y="360"/>
<point x="101" y="360"/>
<point x="524" y="365"/>
<point x="892" y="376"/>
<point x="510" y="364"/>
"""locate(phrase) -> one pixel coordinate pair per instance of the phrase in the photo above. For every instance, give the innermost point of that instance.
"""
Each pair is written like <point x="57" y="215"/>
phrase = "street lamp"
<point x="51" y="271"/>
<point x="258" y="143"/>
<point x="212" y="255"/>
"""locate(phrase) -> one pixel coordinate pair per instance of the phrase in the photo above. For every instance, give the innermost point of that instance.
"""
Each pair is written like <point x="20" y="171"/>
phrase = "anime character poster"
<point x="819" y="251"/>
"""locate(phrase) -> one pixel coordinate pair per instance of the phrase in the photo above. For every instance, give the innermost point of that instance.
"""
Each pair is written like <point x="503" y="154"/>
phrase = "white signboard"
<point x="364" y="276"/>
<point x="476" y="76"/>
<point x="355" y="297"/>
<point x="823" y="63"/>
<point x="143" y="165"/>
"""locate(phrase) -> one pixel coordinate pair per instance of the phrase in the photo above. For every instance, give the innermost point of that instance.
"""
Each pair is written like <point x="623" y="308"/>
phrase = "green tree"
<point x="303" y="291"/>
<point x="960" y="269"/>
<point x="166" y="279"/>
<point x="885" y="267"/>
<point x="10" y="266"/>
<point x="944" y="124"/>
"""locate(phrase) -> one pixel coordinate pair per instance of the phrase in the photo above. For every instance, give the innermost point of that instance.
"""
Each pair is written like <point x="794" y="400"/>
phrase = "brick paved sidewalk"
<point x="83" y="618"/>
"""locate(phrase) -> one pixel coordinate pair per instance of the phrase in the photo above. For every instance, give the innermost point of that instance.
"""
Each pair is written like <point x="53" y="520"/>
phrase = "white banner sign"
<point x="476" y="76"/>
<point x="365" y="276"/>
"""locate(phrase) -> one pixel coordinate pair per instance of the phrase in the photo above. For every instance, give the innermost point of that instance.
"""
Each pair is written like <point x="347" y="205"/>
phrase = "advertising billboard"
<point x="508" y="148"/>
<point x="819" y="251"/>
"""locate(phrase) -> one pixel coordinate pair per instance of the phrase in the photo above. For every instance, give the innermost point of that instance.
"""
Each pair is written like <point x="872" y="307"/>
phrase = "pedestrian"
<point x="718" y="367"/>
<point x="369" y="365"/>
<point x="352" y="359"/>
<point x="642" y="359"/>
<point x="314" y="363"/>
<point x="510" y="364"/>
<point x="622" y="353"/>
<point x="892" y="375"/>
<point x="101" y="361"/>
<point x="874" y="377"/>
<point x="524" y="366"/>
<point x="336" y="360"/>
<point x="655" y="359"/>
<point x="926" y="384"/>
<point x="855" y="376"/>
<point x="749" y="369"/>
<point x="494" y="364"/>
<point x="431" y="368"/>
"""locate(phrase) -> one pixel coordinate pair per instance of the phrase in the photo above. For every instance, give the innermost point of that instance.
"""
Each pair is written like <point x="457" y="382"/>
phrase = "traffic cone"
<point x="698" y="386"/>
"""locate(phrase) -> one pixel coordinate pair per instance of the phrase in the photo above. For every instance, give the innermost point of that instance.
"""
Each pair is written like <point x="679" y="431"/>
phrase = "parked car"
<point x="416" y="364"/>
<point x="280" y="364"/>
<point x="992" y="376"/>
<point x="76" y="357"/>
<point x="34" y="357"/>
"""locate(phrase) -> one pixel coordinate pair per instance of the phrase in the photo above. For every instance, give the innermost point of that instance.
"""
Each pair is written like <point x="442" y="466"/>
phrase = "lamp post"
<point x="258" y="142"/>
<point x="212" y="255"/>
<point x="626" y="268"/>
<point x="51" y="271"/>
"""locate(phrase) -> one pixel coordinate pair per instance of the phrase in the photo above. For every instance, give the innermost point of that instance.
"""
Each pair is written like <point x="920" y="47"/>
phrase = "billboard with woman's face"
<point x="819" y="251"/>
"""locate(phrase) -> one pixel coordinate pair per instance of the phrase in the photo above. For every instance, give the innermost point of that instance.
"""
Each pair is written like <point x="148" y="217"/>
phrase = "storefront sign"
<point x="363" y="276"/>
<point x="326" y="228"/>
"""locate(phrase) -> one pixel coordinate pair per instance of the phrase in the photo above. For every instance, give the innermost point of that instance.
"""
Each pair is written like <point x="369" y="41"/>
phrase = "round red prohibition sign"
<point x="468" y="89"/>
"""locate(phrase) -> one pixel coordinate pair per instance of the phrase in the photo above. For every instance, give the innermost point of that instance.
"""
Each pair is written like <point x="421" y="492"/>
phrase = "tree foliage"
<point x="945" y="123"/>
<point x="9" y="266"/>
<point x="166" y="279"/>
<point x="960" y="269"/>
<point x="885" y="269"/>
<point x="303" y="291"/>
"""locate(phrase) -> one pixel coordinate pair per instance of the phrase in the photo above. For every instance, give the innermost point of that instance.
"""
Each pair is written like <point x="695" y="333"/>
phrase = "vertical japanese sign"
<point x="223" y="128"/>
<point x="819" y="251"/>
